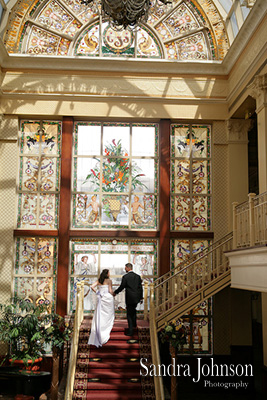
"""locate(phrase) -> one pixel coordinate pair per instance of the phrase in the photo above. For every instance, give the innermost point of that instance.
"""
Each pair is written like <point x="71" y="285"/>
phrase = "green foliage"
<point x="27" y="327"/>
<point x="173" y="332"/>
<point x="116" y="170"/>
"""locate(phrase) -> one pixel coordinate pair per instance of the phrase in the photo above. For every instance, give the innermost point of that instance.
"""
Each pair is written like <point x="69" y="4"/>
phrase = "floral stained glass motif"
<point x="40" y="149"/>
<point x="198" y="323"/>
<point x="190" y="31"/>
<point x="114" y="185"/>
<point x="190" y="177"/>
<point x="89" y="257"/>
<point x="35" y="269"/>
<point x="182" y="250"/>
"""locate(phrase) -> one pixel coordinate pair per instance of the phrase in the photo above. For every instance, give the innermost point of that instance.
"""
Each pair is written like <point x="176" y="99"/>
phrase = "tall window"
<point x="115" y="181"/>
<point x="38" y="198"/>
<point x="40" y="149"/>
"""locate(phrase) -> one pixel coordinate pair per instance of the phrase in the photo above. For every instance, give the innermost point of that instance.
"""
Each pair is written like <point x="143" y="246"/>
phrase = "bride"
<point x="104" y="315"/>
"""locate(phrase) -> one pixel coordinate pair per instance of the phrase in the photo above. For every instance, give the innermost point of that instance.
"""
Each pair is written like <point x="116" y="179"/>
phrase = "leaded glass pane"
<point x="55" y="17"/>
<point x="29" y="167"/>
<point x="29" y="137"/>
<point x="147" y="46"/>
<point x="35" y="269"/>
<point x="180" y="141"/>
<point x="27" y="212"/>
<point x="39" y="171"/>
<point x="192" y="48"/>
<point x="200" y="213"/>
<point x="83" y="144"/>
<point x="200" y="141"/>
<point x="144" y="211"/>
<point x="182" y="250"/>
<point x="88" y="174"/>
<point x="201" y="181"/>
<point x="85" y="211"/>
<point x="114" y="175"/>
<point x="181" y="172"/>
<point x="143" y="141"/>
<point x="190" y="177"/>
<point x="143" y="175"/>
<point x="115" y="211"/>
<point x="88" y="44"/>
<point x="48" y="207"/>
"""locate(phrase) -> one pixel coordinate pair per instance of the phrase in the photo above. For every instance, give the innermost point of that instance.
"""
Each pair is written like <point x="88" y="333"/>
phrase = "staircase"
<point x="192" y="282"/>
<point x="113" y="370"/>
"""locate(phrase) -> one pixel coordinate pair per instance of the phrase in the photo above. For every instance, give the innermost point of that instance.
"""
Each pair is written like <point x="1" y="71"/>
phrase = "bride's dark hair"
<point x="103" y="276"/>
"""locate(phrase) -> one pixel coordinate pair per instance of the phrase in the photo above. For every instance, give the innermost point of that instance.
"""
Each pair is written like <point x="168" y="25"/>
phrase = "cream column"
<point x="258" y="90"/>
<point x="237" y="138"/>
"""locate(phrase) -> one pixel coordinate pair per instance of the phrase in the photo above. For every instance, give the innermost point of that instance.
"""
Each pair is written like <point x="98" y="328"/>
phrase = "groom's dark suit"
<point x="132" y="283"/>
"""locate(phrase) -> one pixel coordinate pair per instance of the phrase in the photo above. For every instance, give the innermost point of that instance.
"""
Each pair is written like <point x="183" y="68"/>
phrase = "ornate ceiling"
<point x="191" y="30"/>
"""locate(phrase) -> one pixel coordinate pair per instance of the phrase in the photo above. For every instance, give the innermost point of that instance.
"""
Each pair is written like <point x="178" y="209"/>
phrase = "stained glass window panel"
<point x="201" y="181"/>
<point x="201" y="213"/>
<point x="190" y="177"/>
<point x="116" y="140"/>
<point x="115" y="175"/>
<point x="27" y="212"/>
<point x="84" y="167"/>
<point x="35" y="269"/>
<point x="201" y="141"/>
<point x="144" y="211"/>
<point x="180" y="141"/>
<point x="29" y="137"/>
<point x="115" y="211"/>
<point x="90" y="257"/>
<point x="86" y="210"/>
<point x="181" y="172"/>
<point x="182" y="250"/>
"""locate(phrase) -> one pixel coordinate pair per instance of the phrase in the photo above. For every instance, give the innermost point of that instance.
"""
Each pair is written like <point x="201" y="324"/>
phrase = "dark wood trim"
<point x="191" y="235"/>
<point x="164" y="195"/>
<point x="64" y="216"/>
<point x="35" y="233"/>
<point x="113" y="234"/>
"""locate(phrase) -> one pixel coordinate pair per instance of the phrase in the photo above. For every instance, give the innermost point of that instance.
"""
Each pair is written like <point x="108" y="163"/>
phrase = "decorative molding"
<point x="238" y="130"/>
<point x="258" y="90"/>
<point x="113" y="86"/>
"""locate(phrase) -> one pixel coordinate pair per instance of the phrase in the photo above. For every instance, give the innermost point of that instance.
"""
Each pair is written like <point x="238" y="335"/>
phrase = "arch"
<point x="191" y="30"/>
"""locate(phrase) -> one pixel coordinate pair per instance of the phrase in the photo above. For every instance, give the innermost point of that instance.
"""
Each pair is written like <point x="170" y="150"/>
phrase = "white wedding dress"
<point x="103" y="318"/>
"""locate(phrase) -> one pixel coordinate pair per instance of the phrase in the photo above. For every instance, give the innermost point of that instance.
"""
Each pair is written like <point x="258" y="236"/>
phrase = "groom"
<point x="134" y="294"/>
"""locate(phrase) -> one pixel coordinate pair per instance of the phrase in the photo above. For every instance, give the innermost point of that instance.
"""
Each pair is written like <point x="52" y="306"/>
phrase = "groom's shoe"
<point x="127" y="333"/>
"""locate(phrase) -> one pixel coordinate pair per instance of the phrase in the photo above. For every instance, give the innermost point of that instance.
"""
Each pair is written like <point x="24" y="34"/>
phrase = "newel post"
<point x="251" y="218"/>
<point x="235" y="204"/>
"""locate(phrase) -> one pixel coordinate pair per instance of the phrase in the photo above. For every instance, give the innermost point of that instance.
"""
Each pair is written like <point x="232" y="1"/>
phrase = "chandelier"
<point x="124" y="14"/>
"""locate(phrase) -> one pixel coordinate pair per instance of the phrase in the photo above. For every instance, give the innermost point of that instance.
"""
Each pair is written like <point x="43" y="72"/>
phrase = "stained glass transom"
<point x="191" y="30"/>
<point x="35" y="270"/>
<point x="190" y="178"/>
<point x="90" y="257"/>
<point x="115" y="181"/>
<point x="39" y="169"/>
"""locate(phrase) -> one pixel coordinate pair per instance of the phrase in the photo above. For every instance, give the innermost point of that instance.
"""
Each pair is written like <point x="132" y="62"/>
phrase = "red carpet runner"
<point x="113" y="371"/>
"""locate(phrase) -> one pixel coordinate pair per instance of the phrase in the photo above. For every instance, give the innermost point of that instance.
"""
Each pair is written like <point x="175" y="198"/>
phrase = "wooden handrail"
<point x="78" y="317"/>
<point x="158" y="383"/>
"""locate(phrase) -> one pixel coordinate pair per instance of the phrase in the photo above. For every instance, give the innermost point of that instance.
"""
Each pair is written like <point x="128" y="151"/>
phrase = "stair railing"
<point x="189" y="261"/>
<point x="78" y="317"/>
<point x="194" y="276"/>
<point x="158" y="383"/>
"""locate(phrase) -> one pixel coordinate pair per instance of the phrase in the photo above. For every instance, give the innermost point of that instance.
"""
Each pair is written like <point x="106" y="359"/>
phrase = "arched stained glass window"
<point x="190" y="30"/>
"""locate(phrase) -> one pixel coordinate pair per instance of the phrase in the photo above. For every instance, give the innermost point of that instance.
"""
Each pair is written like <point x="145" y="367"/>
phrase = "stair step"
<point x="112" y="395"/>
<point x="118" y="354"/>
<point x="108" y="363"/>
<point x="108" y="384"/>
<point x="119" y="373"/>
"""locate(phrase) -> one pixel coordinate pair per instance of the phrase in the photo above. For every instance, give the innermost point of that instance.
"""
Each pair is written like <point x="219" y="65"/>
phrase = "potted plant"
<point x="27" y="328"/>
<point x="22" y="324"/>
